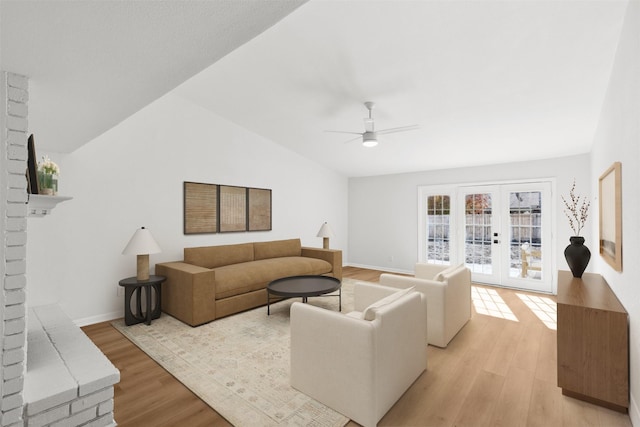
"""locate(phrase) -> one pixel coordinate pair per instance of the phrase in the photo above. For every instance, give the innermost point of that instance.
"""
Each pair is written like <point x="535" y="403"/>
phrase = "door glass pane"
<point x="438" y="215"/>
<point x="478" y="233"/>
<point x="525" y="229"/>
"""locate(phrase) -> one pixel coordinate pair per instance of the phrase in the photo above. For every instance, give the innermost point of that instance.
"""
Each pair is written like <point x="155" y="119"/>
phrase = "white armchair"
<point x="360" y="363"/>
<point x="448" y="292"/>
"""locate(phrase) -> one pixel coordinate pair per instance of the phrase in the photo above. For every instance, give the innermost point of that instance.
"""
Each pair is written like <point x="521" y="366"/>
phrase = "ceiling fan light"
<point x="370" y="143"/>
<point x="369" y="139"/>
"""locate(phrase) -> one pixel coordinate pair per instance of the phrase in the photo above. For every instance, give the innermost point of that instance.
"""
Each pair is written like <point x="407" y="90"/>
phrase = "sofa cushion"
<point x="369" y="313"/>
<point x="217" y="256"/>
<point x="250" y="276"/>
<point x="277" y="249"/>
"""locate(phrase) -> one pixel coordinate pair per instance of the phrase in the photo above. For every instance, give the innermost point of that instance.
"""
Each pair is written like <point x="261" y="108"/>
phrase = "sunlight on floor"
<point x="487" y="301"/>
<point x="544" y="308"/>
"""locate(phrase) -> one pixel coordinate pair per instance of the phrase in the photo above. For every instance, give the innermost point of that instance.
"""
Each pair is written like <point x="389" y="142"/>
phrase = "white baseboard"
<point x="374" y="267"/>
<point x="99" y="318"/>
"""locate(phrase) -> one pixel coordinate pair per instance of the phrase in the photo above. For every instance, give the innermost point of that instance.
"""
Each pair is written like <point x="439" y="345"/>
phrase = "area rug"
<point x="239" y="365"/>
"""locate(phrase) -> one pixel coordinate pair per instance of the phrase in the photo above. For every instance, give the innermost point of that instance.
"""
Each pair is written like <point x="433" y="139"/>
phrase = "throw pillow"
<point x="440" y="277"/>
<point x="370" y="312"/>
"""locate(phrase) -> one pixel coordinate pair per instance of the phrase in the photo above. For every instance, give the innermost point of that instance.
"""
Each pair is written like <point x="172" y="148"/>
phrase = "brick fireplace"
<point x="52" y="374"/>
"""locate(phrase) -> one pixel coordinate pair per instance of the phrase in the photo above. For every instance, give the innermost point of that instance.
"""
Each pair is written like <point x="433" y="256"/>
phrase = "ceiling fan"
<point x="370" y="135"/>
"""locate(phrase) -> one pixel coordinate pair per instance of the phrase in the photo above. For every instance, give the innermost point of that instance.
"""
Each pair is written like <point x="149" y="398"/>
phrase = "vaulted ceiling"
<point x="91" y="64"/>
<point x="486" y="81"/>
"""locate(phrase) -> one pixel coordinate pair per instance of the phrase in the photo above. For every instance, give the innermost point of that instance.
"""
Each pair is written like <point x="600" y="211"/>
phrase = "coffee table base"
<point x="304" y="299"/>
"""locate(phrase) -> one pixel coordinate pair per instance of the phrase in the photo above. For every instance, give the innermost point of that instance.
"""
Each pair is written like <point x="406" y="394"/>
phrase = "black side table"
<point x="131" y="285"/>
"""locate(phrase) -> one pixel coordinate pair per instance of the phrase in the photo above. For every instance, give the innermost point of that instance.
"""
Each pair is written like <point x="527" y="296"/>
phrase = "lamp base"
<point x="143" y="267"/>
<point x="325" y="242"/>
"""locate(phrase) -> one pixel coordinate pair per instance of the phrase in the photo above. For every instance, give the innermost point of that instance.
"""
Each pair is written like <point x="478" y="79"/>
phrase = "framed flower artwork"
<point x="610" y="197"/>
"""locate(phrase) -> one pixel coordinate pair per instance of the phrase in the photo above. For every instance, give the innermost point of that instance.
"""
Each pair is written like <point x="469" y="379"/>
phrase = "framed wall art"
<point x="200" y="208"/>
<point x="259" y="208"/>
<point x="233" y="208"/>
<point x="215" y="208"/>
<point x="610" y="197"/>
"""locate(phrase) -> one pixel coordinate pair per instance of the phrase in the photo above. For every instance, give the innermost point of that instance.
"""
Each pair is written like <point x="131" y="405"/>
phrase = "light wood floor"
<point x="495" y="372"/>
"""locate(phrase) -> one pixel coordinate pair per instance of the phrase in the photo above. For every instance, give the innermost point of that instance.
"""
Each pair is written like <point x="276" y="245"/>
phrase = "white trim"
<point x="91" y="320"/>
<point x="375" y="267"/>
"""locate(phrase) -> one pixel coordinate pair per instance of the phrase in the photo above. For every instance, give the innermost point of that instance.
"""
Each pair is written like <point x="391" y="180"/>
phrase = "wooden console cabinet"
<point x="593" y="342"/>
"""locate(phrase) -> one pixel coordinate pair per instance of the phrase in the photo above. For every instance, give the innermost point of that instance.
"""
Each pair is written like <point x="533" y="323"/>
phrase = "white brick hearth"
<point x="69" y="381"/>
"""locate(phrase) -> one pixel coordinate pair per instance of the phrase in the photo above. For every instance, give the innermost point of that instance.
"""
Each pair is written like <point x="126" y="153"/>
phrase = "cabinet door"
<point x="593" y="349"/>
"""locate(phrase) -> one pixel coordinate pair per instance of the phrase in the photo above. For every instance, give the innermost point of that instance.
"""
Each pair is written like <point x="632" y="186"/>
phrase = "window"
<point x="438" y="229"/>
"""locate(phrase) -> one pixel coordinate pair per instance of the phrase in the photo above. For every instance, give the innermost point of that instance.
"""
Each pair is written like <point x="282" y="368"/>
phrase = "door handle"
<point x="496" y="241"/>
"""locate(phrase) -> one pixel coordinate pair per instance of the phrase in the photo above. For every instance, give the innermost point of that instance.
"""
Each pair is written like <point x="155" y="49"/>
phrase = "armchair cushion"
<point x="371" y="311"/>
<point x="440" y="277"/>
<point x="424" y="270"/>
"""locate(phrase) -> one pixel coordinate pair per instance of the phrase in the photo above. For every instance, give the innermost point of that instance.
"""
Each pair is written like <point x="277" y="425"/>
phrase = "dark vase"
<point x="577" y="255"/>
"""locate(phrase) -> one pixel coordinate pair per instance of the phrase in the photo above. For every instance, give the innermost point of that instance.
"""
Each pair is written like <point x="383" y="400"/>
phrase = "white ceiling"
<point x="487" y="81"/>
<point x="91" y="64"/>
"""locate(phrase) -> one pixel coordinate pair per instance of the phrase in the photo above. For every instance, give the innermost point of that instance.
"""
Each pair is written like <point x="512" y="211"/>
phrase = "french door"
<point x="501" y="232"/>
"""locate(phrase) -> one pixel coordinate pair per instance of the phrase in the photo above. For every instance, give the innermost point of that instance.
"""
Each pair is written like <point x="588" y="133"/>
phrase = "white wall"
<point x="383" y="210"/>
<point x="618" y="139"/>
<point x="132" y="176"/>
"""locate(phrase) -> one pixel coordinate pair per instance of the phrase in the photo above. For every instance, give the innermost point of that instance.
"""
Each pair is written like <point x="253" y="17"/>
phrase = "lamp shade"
<point x="141" y="243"/>
<point x="325" y="231"/>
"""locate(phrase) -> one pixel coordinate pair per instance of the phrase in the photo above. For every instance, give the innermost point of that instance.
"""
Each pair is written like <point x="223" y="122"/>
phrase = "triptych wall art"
<point x="214" y="208"/>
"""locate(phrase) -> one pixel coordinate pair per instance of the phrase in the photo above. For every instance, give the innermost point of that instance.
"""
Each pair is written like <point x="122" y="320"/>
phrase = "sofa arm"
<point x="332" y="256"/>
<point x="189" y="293"/>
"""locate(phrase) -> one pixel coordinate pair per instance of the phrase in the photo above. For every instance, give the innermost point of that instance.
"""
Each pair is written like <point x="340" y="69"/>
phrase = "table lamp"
<point x="325" y="232"/>
<point x="142" y="244"/>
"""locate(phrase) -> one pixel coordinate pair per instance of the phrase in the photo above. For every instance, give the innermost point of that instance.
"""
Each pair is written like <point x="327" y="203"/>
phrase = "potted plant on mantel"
<point x="48" y="172"/>
<point x="577" y="211"/>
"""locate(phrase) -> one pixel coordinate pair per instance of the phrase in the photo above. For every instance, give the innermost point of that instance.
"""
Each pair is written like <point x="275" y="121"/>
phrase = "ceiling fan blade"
<point x="353" y="139"/>
<point x="368" y="124"/>
<point x="398" y="129"/>
<point x="342" y="131"/>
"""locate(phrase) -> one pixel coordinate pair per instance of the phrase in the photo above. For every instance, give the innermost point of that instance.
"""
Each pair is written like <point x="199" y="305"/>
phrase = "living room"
<point x="131" y="175"/>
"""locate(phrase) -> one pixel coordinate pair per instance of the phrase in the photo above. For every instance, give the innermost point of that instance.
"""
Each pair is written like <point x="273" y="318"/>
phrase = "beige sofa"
<point x="448" y="291"/>
<point x="216" y="281"/>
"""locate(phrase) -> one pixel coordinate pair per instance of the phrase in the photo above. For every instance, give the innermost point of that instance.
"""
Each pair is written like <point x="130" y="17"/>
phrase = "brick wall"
<point x="13" y="162"/>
